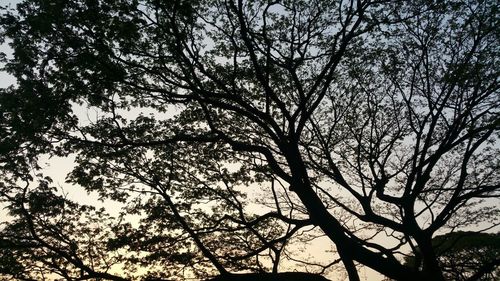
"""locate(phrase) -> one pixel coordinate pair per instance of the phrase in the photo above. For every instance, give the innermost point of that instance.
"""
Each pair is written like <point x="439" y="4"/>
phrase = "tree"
<point x="358" y="120"/>
<point x="466" y="255"/>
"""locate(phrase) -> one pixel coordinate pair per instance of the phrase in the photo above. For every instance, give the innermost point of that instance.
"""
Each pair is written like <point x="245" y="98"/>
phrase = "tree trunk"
<point x="431" y="269"/>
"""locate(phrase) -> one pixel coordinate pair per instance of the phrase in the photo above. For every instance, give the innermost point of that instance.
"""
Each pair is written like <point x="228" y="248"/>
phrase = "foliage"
<point x="373" y="124"/>
<point x="466" y="255"/>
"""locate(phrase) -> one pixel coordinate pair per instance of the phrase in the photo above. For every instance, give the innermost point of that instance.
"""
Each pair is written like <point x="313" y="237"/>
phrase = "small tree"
<point x="362" y="120"/>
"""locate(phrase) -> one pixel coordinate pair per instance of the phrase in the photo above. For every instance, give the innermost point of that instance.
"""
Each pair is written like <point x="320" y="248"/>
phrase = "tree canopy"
<point x="233" y="133"/>
<point x="466" y="255"/>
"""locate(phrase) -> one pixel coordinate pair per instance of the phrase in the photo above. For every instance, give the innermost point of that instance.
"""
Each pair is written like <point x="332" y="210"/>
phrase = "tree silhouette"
<point x="465" y="255"/>
<point x="370" y="123"/>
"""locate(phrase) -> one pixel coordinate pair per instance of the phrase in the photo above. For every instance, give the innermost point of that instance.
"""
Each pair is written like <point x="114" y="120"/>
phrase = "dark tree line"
<point x="371" y="123"/>
<point x="466" y="255"/>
